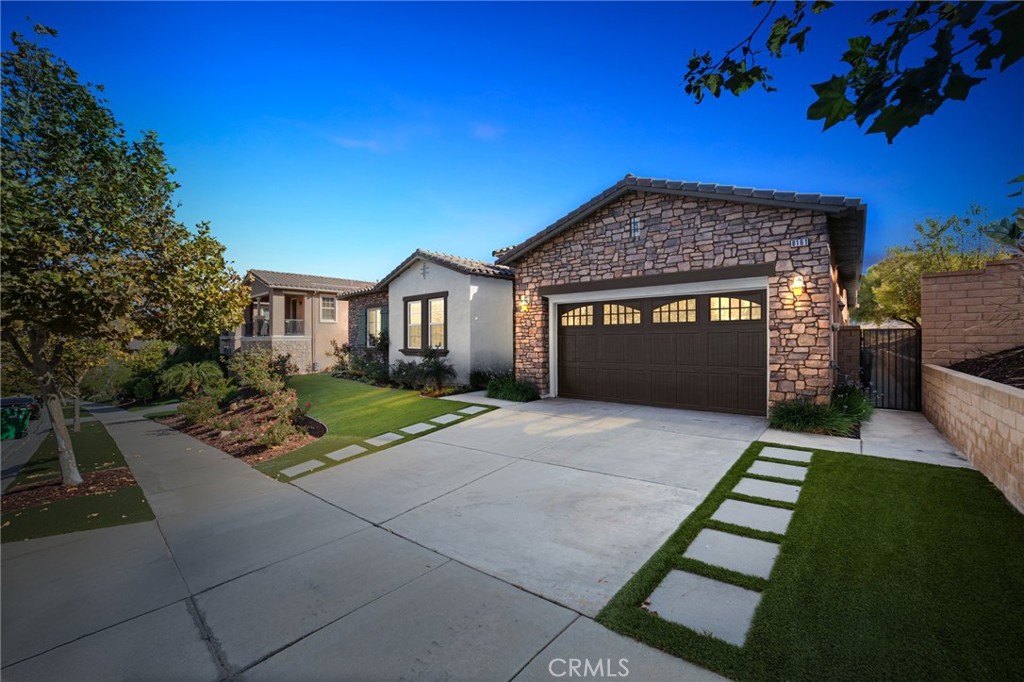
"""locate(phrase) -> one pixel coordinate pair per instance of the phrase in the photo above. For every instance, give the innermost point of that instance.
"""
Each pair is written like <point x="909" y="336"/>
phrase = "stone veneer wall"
<point x="681" y="234"/>
<point x="984" y="420"/>
<point x="356" y="306"/>
<point x="971" y="313"/>
<point x="299" y="349"/>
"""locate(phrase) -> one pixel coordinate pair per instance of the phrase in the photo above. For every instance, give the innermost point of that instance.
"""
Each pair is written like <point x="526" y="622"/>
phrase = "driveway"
<point x="480" y="552"/>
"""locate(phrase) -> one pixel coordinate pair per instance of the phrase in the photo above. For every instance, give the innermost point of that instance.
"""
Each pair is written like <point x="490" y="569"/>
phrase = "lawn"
<point x="69" y="412"/>
<point x="889" y="570"/>
<point x="95" y="451"/>
<point x="353" y="412"/>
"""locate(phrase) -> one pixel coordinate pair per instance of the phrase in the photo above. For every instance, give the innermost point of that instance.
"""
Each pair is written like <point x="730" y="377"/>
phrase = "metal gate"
<point x="890" y="361"/>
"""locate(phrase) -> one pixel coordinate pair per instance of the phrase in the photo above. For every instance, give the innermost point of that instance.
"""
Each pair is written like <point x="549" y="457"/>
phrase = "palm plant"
<point x="189" y="377"/>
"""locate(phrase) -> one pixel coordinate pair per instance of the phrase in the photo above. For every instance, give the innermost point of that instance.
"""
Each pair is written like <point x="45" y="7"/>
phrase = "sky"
<point x="335" y="138"/>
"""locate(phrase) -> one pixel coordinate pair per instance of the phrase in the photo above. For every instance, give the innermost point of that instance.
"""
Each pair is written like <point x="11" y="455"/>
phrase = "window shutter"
<point x="361" y="330"/>
<point x="384" y="319"/>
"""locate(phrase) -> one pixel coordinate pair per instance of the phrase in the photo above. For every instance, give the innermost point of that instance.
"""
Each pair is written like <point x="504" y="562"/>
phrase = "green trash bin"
<point x="13" y="422"/>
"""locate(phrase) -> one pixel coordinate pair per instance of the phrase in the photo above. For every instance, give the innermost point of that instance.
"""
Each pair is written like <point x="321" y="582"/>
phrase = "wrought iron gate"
<point x="890" y="362"/>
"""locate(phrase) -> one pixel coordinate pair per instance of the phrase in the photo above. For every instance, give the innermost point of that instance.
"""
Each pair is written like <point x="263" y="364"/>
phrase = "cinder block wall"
<point x="972" y="313"/>
<point x="984" y="420"/>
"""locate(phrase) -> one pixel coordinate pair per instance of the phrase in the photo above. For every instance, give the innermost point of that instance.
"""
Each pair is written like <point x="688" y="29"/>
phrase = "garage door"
<point x="703" y="352"/>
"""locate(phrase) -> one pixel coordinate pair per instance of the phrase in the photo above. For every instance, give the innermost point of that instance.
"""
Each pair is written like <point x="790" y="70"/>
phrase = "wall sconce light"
<point x="524" y="304"/>
<point x="797" y="287"/>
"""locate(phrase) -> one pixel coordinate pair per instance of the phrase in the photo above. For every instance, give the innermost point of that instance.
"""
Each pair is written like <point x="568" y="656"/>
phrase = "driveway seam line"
<point x="545" y="647"/>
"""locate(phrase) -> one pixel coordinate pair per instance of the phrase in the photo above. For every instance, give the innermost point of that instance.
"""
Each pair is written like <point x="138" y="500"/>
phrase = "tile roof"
<point x="291" y="280"/>
<point x="466" y="266"/>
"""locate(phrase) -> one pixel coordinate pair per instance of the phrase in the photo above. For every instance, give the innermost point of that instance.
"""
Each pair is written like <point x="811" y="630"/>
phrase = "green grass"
<point x="69" y="411"/>
<point x="95" y="450"/>
<point x="889" y="570"/>
<point x="353" y="412"/>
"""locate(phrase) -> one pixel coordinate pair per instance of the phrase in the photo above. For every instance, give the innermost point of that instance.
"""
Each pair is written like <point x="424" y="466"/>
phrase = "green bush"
<point x="143" y="389"/>
<point x="276" y="434"/>
<point x="253" y="370"/>
<point x="505" y="387"/>
<point x="283" y="367"/>
<point x="479" y="378"/>
<point x="808" y="417"/>
<point x="189" y="377"/>
<point x="851" y="400"/>
<point x="219" y="388"/>
<point x="201" y="410"/>
<point x="407" y="374"/>
<point x="435" y="369"/>
<point x="369" y="368"/>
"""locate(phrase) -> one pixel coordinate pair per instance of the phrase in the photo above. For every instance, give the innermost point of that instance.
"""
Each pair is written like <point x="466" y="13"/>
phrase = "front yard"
<point x="887" y="570"/>
<point x="354" y="412"/>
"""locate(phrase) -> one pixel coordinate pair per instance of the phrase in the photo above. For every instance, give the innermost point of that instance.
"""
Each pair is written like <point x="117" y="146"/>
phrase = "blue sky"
<point x="334" y="138"/>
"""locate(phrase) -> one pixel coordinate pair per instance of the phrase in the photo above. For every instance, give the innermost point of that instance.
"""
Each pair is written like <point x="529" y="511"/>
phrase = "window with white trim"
<point x="328" y="309"/>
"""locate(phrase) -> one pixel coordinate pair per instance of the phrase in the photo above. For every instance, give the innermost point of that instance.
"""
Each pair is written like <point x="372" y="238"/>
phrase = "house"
<point x="462" y="306"/>
<point x="689" y="295"/>
<point x="293" y="314"/>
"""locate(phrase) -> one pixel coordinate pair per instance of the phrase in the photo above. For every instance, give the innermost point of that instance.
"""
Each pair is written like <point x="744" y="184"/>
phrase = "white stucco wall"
<point x="479" y="316"/>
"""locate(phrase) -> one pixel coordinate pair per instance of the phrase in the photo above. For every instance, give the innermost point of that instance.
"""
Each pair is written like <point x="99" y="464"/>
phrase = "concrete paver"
<point x="383" y="439"/>
<point x="756" y="516"/>
<point x="165" y="644"/>
<point x="813" y="441"/>
<point x="788" y="471"/>
<point x="572" y="536"/>
<point x="452" y="623"/>
<point x="474" y="409"/>
<point x="769" y="490"/>
<point x="786" y="453"/>
<point x="346" y="452"/>
<point x="708" y="606"/>
<point x="301" y="468"/>
<point x="616" y="655"/>
<point x="308" y="591"/>
<point x="447" y="418"/>
<point x="734" y="552"/>
<point x="418" y="428"/>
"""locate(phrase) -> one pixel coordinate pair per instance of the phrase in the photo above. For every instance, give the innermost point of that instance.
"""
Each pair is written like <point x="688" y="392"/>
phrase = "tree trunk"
<point x="78" y="412"/>
<point x="66" y="452"/>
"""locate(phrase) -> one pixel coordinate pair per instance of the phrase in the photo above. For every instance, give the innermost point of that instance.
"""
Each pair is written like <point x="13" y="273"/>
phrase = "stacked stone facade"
<point x="682" y="234"/>
<point x="356" y="306"/>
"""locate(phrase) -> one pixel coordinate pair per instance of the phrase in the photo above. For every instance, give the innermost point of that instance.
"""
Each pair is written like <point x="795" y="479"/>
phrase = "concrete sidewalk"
<point x="241" y="574"/>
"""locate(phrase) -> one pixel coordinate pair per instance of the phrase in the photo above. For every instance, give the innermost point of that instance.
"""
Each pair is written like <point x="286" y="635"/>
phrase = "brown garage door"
<point x="702" y="352"/>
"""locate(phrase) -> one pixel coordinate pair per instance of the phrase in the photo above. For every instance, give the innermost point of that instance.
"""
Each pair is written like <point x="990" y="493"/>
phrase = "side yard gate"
<point x="890" y="367"/>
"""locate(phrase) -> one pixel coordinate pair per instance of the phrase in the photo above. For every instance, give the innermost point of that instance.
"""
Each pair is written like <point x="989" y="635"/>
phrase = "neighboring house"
<point x="461" y="306"/>
<point x="688" y="295"/>
<point x="294" y="314"/>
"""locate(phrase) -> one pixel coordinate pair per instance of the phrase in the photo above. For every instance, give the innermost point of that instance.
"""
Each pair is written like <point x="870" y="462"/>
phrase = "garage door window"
<point x="578" y="317"/>
<point x="620" y="314"/>
<point x="683" y="310"/>
<point x="734" y="309"/>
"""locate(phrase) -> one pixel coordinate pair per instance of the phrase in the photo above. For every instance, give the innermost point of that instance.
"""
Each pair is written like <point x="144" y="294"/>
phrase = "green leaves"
<point x="832" y="105"/>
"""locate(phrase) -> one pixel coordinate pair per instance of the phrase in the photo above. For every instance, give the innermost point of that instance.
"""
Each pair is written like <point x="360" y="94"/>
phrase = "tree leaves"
<point x="832" y="104"/>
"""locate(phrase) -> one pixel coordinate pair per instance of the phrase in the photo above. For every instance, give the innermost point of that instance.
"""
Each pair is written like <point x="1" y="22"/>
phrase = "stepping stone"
<point x="708" y="606"/>
<point x="292" y="472"/>
<point x="345" y="453"/>
<point x="383" y="439"/>
<point x="790" y="471"/>
<point x="786" y="453"/>
<point x="447" y="418"/>
<point x="735" y="552"/>
<point x="781" y="492"/>
<point x="476" y="409"/>
<point x="417" y="428"/>
<point x="756" y="516"/>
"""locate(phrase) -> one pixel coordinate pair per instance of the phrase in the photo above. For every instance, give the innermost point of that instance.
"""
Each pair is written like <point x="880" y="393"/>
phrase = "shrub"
<point x="200" y="410"/>
<point x="341" y="354"/>
<point x="228" y="424"/>
<point x="850" y="399"/>
<point x="369" y="369"/>
<point x="809" y="417"/>
<point x="435" y="369"/>
<point x="253" y="370"/>
<point x="283" y="367"/>
<point x="479" y="378"/>
<point x="189" y="377"/>
<point x="407" y="374"/>
<point x="219" y="388"/>
<point x="276" y="434"/>
<point x="505" y="387"/>
<point x="143" y="389"/>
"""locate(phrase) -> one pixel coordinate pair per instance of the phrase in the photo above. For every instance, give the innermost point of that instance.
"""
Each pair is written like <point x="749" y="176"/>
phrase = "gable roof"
<point x="847" y="216"/>
<point x="466" y="266"/>
<point x="291" y="280"/>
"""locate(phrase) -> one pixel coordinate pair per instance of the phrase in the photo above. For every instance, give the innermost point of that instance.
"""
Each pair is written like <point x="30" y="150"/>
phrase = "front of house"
<point x="293" y="314"/>
<point x="688" y="295"/>
<point x="460" y="306"/>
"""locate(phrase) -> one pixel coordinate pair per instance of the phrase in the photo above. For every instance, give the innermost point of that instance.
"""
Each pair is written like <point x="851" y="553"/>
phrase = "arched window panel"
<point x="578" y="317"/>
<point x="615" y="313"/>
<point x="683" y="310"/>
<point x="728" y="309"/>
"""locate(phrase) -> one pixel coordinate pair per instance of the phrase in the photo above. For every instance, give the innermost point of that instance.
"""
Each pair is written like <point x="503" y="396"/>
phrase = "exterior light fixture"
<point x="797" y="287"/>
<point x="524" y="304"/>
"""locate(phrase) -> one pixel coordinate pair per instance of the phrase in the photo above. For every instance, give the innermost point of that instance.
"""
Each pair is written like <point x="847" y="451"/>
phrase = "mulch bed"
<point x="1006" y="367"/>
<point x="44" y="492"/>
<point x="249" y="452"/>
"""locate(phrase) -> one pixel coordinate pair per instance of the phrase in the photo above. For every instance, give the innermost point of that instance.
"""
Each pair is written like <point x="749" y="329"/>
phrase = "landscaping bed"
<point x="37" y="505"/>
<point x="1006" y="367"/>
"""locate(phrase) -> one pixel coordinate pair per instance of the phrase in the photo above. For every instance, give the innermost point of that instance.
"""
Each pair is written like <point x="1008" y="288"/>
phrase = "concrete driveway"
<point x="480" y="552"/>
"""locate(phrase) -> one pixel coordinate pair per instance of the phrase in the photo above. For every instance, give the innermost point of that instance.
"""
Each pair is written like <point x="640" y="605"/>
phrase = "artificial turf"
<point x="95" y="450"/>
<point x="889" y="570"/>
<point x="353" y="412"/>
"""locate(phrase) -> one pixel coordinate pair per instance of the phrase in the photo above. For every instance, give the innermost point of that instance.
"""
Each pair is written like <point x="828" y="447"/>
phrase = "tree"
<point x="91" y="247"/>
<point x="967" y="39"/>
<point x="891" y="288"/>
<point x="78" y="358"/>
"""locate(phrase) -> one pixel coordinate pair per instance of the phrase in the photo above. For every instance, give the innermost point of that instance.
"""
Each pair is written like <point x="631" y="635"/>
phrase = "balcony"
<point x="257" y="328"/>
<point x="294" y="327"/>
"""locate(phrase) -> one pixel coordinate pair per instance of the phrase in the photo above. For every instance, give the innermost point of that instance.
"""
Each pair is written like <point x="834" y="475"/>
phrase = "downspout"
<point x="312" y="331"/>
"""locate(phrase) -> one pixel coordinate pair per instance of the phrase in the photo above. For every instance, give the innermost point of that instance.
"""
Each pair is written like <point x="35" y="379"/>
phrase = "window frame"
<point x="424" y="322"/>
<point x="379" y="309"/>
<point x="334" y="310"/>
